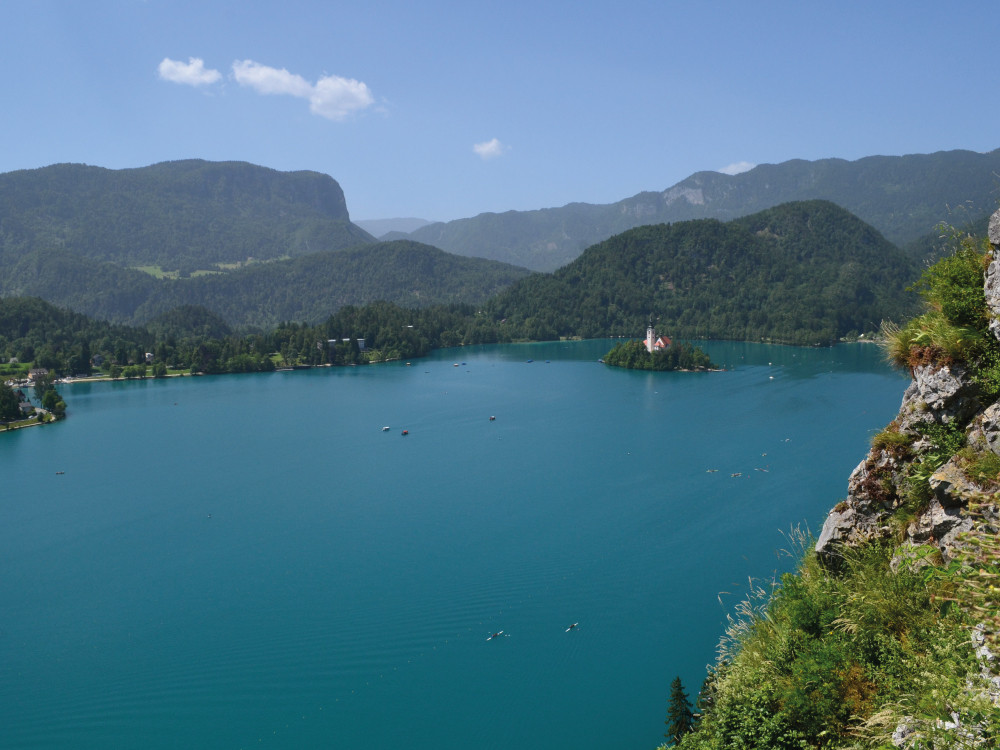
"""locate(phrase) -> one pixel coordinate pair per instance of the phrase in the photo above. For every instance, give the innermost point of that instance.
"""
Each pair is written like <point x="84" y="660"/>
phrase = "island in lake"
<point x="658" y="352"/>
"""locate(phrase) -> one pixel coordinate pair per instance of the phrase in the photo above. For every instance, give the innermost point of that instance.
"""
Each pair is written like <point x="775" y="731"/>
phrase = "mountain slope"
<point x="312" y="287"/>
<point x="308" y="288"/>
<point x="807" y="273"/>
<point x="76" y="236"/>
<point x="903" y="197"/>
<point x="183" y="215"/>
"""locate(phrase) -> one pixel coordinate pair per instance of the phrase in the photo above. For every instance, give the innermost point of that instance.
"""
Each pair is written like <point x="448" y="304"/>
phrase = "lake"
<point x="252" y="561"/>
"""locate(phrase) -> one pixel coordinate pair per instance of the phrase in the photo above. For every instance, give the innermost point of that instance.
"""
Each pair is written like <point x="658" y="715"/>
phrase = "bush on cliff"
<point x="823" y="660"/>
<point x="955" y="326"/>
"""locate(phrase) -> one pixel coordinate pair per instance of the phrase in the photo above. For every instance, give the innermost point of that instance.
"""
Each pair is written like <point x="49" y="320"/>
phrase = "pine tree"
<point x="680" y="720"/>
<point x="705" y="701"/>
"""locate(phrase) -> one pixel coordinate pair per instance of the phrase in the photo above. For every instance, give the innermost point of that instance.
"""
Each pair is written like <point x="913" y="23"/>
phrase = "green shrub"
<point x="955" y="327"/>
<point x="954" y="285"/>
<point x="809" y="661"/>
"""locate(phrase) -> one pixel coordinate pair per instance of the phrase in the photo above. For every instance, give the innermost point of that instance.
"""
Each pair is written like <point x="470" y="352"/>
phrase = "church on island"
<point x="655" y="343"/>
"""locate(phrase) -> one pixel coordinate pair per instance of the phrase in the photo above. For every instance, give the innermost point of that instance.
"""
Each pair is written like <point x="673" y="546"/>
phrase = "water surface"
<point x="250" y="560"/>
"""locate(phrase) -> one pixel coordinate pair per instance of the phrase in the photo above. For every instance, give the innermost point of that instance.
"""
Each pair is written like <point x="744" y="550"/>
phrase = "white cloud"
<point x="490" y="149"/>
<point x="331" y="97"/>
<point x="335" y="98"/>
<point x="192" y="73"/>
<point x="267" y="80"/>
<point x="737" y="168"/>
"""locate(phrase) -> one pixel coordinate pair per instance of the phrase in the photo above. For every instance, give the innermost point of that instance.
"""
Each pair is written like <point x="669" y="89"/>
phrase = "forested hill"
<point x="804" y="273"/>
<point x="904" y="197"/>
<point x="181" y="216"/>
<point x="311" y="288"/>
<point x="304" y="289"/>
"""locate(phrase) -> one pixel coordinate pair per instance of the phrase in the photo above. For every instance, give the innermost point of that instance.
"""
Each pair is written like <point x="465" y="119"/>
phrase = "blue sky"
<point x="442" y="110"/>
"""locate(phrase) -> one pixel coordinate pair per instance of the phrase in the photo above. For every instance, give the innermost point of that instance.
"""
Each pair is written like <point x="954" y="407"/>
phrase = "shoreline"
<point x="24" y="423"/>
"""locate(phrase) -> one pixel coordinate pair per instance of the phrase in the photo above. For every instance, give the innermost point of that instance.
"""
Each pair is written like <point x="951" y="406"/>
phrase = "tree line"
<point x="33" y="332"/>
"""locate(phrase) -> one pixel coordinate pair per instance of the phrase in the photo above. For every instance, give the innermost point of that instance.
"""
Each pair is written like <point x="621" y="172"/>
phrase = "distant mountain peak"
<point x="904" y="197"/>
<point x="381" y="227"/>
<point x="694" y="196"/>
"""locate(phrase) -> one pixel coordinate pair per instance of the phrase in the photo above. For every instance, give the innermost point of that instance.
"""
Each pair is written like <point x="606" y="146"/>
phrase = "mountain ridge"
<point x="904" y="197"/>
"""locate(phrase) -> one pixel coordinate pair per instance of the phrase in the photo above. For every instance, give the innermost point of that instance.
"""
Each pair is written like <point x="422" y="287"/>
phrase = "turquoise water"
<point x="251" y="561"/>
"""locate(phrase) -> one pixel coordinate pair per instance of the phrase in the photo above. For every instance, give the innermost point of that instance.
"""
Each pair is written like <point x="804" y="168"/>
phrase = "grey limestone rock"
<point x="863" y="515"/>
<point x="992" y="287"/>
<point x="994" y="229"/>
<point x="694" y="196"/>
<point x="951" y="487"/>
<point x="904" y="733"/>
<point x="836" y="529"/>
<point x="938" y="394"/>
<point x="992" y="290"/>
<point x="945" y="522"/>
<point x="942" y="527"/>
<point x="990" y="427"/>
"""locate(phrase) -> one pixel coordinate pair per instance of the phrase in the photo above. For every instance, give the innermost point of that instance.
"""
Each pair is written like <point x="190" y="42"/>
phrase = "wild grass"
<point x="930" y="339"/>
<point x="982" y="467"/>
<point x="820" y="658"/>
<point x="893" y="441"/>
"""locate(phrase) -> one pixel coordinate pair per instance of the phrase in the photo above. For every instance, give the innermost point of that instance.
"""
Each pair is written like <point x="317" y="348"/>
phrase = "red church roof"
<point x="661" y="342"/>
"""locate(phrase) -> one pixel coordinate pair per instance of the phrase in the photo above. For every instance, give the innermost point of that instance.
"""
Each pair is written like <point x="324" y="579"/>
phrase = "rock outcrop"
<point x="935" y="508"/>
<point x="939" y="396"/>
<point x="992" y="286"/>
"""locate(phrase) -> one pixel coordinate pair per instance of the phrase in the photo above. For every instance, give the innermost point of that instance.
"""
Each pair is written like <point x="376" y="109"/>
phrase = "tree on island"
<point x="680" y="719"/>
<point x="680" y="355"/>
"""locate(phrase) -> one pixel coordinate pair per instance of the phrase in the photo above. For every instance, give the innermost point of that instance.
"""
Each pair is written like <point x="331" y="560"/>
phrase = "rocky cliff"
<point x="929" y="486"/>
<point x="877" y="488"/>
<point x="944" y="397"/>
